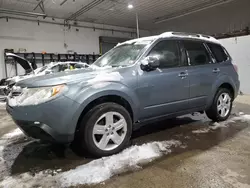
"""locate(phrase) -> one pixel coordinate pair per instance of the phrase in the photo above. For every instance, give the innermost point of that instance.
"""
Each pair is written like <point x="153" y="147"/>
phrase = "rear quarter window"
<point x="218" y="51"/>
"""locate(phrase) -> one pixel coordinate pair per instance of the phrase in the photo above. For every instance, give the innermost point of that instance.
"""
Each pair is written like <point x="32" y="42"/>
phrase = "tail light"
<point x="235" y="68"/>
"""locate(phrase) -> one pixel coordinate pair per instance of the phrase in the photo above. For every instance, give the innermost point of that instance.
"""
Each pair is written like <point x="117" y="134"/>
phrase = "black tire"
<point x="212" y="112"/>
<point x="84" y="139"/>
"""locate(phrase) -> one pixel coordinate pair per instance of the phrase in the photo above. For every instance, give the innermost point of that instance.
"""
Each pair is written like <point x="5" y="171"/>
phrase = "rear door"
<point x="202" y="70"/>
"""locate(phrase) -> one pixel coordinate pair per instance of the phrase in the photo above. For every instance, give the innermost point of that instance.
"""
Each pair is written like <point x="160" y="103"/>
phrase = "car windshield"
<point x="123" y="55"/>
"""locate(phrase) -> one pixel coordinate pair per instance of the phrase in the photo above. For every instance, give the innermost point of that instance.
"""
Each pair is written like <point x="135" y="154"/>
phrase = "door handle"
<point x="216" y="70"/>
<point x="183" y="75"/>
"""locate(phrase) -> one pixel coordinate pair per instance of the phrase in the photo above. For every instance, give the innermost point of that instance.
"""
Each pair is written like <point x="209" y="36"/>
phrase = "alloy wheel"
<point x="109" y="131"/>
<point x="224" y="104"/>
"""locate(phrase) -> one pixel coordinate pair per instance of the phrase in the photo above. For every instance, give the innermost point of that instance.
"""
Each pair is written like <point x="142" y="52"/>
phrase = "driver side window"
<point x="167" y="52"/>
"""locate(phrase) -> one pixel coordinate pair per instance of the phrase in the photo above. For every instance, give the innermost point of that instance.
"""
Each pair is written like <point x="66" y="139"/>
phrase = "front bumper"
<point x="43" y="132"/>
<point x="52" y="121"/>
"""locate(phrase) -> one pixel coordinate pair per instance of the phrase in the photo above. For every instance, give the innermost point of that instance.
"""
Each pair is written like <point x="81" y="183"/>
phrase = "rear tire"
<point x="105" y="130"/>
<point x="222" y="105"/>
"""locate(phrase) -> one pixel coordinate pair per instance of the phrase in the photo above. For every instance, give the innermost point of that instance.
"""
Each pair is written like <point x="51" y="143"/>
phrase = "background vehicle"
<point x="138" y="81"/>
<point x="31" y="70"/>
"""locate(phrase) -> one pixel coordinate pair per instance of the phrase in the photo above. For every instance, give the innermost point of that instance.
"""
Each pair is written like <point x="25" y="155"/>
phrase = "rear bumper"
<point x="237" y="89"/>
<point x="52" y="121"/>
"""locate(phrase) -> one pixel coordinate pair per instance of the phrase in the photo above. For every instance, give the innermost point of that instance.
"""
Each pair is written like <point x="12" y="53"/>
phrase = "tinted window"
<point x="197" y="53"/>
<point x="168" y="53"/>
<point x="218" y="52"/>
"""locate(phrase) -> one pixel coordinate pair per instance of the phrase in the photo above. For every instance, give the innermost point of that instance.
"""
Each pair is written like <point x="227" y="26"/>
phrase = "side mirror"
<point x="150" y="63"/>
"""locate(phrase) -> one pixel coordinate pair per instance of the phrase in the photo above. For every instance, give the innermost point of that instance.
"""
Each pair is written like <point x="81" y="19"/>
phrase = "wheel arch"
<point x="108" y="98"/>
<point x="222" y="82"/>
<point x="212" y="111"/>
<point x="229" y="87"/>
<point x="98" y="98"/>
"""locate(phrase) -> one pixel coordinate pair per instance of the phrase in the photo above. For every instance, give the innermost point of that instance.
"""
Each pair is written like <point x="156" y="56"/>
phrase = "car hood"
<point x="21" y="61"/>
<point x="88" y="75"/>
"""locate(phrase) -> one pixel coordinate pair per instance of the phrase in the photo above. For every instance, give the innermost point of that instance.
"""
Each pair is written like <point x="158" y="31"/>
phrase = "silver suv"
<point x="137" y="81"/>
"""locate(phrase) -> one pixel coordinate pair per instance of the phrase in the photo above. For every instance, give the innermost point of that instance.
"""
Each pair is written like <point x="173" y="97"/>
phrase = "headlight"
<point x="33" y="96"/>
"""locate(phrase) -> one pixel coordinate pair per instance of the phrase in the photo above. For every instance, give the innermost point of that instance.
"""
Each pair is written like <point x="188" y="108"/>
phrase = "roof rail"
<point x="185" y="34"/>
<point x="206" y="36"/>
<point x="189" y="35"/>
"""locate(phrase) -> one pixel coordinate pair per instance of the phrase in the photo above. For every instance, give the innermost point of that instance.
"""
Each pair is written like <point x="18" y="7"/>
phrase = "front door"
<point x="166" y="89"/>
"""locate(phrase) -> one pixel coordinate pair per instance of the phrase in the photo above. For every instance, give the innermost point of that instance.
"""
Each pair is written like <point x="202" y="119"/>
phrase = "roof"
<point x="174" y="35"/>
<point x="115" y="12"/>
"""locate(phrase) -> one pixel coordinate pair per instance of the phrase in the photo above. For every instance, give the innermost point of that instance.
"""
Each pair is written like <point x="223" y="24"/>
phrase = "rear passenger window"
<point x="218" y="52"/>
<point x="168" y="53"/>
<point x="197" y="53"/>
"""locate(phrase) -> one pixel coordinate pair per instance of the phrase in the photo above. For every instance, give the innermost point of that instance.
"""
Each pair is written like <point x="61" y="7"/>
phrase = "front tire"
<point x="222" y="105"/>
<point x="105" y="130"/>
